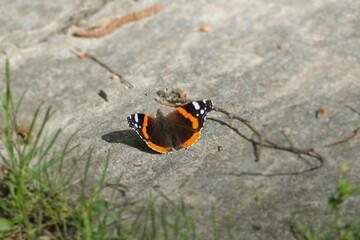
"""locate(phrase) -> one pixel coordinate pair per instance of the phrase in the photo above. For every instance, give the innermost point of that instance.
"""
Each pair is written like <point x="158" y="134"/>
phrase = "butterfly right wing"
<point x="145" y="125"/>
<point x="187" y="121"/>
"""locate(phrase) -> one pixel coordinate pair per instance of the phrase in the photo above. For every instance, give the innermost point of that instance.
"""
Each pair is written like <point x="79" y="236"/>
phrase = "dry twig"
<point x="122" y="79"/>
<point x="118" y="22"/>
<point x="247" y="123"/>
<point x="175" y="99"/>
<point x="345" y="139"/>
<point x="117" y="185"/>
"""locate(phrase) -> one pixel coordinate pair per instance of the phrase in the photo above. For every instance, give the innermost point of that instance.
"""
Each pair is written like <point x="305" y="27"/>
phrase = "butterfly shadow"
<point x="128" y="137"/>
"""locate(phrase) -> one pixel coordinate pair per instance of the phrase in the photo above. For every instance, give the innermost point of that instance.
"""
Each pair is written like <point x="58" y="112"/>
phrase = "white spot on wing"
<point x="136" y="118"/>
<point x="196" y="105"/>
<point x="201" y="111"/>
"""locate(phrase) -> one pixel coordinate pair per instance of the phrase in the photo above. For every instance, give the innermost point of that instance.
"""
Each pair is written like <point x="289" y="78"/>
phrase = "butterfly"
<point x="178" y="130"/>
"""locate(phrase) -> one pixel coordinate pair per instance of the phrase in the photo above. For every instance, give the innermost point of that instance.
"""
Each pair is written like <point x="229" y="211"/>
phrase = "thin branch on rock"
<point x="118" y="22"/>
<point x="117" y="185"/>
<point x="309" y="152"/>
<point x="291" y="145"/>
<point x="175" y="99"/>
<point x="69" y="21"/>
<point x="247" y="123"/>
<point x="122" y="79"/>
<point x="356" y="131"/>
<point x="286" y="138"/>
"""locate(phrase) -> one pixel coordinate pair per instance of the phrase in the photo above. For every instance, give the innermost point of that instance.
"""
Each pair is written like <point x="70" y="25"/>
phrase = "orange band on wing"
<point x="145" y="124"/>
<point x="158" y="148"/>
<point x="191" y="141"/>
<point x="194" y="120"/>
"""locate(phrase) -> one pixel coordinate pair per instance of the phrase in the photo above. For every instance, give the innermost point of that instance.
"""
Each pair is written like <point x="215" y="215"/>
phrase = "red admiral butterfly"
<point x="179" y="129"/>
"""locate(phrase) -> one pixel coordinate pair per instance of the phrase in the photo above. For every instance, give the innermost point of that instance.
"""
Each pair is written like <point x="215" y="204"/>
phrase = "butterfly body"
<point x="179" y="129"/>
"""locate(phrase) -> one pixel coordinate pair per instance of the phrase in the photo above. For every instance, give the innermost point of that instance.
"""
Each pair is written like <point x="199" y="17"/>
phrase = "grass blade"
<point x="103" y="177"/>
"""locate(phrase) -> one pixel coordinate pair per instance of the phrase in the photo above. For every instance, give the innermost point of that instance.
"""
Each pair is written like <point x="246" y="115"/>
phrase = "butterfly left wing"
<point x="186" y="122"/>
<point x="148" y="129"/>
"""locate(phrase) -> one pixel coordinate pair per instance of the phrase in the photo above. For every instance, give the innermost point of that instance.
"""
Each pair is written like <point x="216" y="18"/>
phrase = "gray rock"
<point x="317" y="67"/>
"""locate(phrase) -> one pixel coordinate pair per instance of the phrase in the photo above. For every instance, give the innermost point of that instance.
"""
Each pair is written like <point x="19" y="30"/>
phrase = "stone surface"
<point x="317" y="67"/>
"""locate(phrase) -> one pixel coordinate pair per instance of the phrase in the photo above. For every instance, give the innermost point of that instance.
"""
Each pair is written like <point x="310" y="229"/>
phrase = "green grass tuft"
<point x="330" y="223"/>
<point x="36" y="199"/>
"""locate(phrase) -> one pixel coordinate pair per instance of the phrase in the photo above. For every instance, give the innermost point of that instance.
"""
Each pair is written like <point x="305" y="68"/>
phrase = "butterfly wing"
<point x="186" y="122"/>
<point x="146" y="126"/>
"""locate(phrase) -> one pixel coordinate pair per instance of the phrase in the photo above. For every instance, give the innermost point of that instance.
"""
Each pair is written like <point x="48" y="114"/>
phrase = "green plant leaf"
<point x="345" y="166"/>
<point x="306" y="231"/>
<point x="345" y="189"/>
<point x="5" y="224"/>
